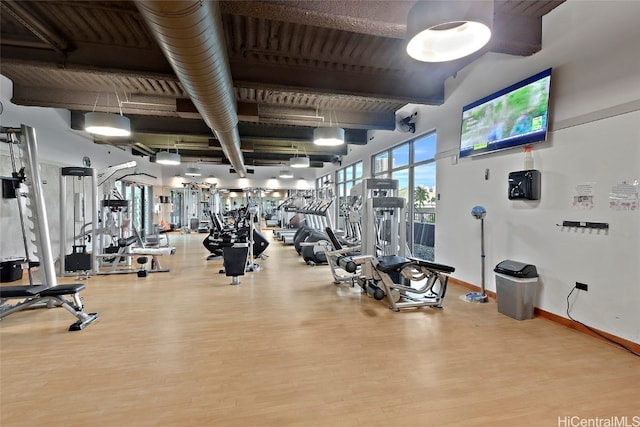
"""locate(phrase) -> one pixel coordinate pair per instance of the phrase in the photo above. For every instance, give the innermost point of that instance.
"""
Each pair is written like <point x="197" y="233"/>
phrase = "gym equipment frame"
<point x="50" y="294"/>
<point x="376" y="280"/>
<point x="389" y="276"/>
<point x="67" y="263"/>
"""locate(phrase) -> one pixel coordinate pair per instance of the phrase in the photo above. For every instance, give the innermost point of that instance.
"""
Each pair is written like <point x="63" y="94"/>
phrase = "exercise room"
<point x="319" y="213"/>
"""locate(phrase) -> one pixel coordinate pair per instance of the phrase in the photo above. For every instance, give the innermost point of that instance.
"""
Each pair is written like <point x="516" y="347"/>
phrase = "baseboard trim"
<point x="635" y="347"/>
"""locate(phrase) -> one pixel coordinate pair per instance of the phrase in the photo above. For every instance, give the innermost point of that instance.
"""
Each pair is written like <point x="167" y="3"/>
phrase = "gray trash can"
<point x="516" y="289"/>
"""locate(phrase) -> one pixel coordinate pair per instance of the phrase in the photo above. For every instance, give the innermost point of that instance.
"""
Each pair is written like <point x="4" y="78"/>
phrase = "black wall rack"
<point x="585" y="224"/>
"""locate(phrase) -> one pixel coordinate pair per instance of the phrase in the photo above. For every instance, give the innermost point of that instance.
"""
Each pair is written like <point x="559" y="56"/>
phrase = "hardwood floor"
<point x="287" y="347"/>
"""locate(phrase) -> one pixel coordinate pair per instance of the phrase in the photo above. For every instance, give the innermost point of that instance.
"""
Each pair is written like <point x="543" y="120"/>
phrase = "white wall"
<point x="595" y="55"/>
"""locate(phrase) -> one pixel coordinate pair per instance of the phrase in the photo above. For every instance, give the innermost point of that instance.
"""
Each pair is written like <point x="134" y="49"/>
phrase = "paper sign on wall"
<point x="583" y="196"/>
<point x="625" y="196"/>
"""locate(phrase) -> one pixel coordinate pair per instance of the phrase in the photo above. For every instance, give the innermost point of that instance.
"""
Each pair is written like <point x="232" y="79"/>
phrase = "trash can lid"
<point x="516" y="269"/>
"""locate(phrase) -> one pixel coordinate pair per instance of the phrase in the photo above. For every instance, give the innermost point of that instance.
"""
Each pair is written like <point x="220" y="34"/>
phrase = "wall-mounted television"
<point x="514" y="116"/>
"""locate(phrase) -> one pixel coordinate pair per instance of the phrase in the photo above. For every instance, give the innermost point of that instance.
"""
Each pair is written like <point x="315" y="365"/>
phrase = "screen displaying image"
<point x="514" y="116"/>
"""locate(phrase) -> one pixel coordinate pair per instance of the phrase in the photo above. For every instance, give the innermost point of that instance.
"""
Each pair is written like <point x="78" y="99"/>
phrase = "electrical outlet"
<point x="582" y="286"/>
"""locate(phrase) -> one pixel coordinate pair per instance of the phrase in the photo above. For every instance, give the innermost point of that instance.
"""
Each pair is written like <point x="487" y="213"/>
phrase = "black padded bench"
<point x="390" y="263"/>
<point x="25" y="291"/>
<point x="53" y="296"/>
<point x="433" y="266"/>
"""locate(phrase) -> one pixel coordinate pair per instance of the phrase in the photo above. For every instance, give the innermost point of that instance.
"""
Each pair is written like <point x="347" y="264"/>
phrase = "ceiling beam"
<point x="288" y="146"/>
<point x="374" y="18"/>
<point x="127" y="59"/>
<point x="418" y="90"/>
<point x="247" y="112"/>
<point x="97" y="100"/>
<point x="516" y="34"/>
<point x="367" y="120"/>
<point x="196" y="156"/>
<point x="300" y="116"/>
<point x="297" y="133"/>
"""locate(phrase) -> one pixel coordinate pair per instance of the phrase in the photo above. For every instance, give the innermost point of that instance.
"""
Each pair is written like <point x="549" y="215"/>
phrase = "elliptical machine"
<point x="239" y="246"/>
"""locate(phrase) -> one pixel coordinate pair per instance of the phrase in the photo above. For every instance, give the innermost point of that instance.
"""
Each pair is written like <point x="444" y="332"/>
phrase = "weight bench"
<point x="50" y="297"/>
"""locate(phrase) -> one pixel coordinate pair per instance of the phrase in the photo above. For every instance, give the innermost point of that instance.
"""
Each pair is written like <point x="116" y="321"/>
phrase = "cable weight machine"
<point x="79" y="260"/>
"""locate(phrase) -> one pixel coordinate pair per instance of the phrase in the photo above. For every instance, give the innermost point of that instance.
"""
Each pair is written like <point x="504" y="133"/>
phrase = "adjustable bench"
<point x="50" y="297"/>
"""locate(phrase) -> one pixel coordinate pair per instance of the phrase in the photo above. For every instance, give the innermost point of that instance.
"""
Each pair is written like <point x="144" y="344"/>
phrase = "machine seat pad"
<point x="390" y="263"/>
<point x="152" y="251"/>
<point x="28" y="291"/>
<point x="433" y="266"/>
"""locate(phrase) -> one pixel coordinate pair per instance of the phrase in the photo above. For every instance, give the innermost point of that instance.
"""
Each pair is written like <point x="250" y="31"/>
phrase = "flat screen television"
<point x="514" y="116"/>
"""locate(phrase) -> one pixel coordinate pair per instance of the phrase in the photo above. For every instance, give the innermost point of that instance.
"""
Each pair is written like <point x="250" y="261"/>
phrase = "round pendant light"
<point x="328" y="136"/>
<point x="193" y="171"/>
<point x="286" y="173"/>
<point x="167" y="158"/>
<point x="107" y="124"/>
<point x="299" y="162"/>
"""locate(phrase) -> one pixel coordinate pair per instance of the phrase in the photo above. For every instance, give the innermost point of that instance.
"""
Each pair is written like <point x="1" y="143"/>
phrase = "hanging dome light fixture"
<point x="300" y="161"/>
<point x="330" y="136"/>
<point x="286" y="173"/>
<point x="107" y="124"/>
<point x="193" y="171"/>
<point x="439" y="31"/>
<point x="167" y="158"/>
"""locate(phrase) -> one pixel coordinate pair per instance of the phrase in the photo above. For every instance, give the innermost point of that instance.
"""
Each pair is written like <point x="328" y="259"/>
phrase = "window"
<point x="400" y="156"/>
<point x="322" y="181"/>
<point x="424" y="148"/>
<point x="346" y="178"/>
<point x="380" y="163"/>
<point x="424" y="206"/>
<point x="402" y="176"/>
<point x="358" y="171"/>
<point x="413" y="165"/>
